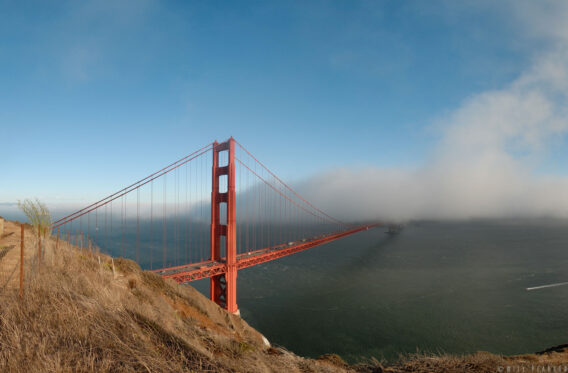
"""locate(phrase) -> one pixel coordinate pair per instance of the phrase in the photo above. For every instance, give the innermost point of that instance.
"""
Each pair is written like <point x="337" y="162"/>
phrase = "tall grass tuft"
<point x="37" y="213"/>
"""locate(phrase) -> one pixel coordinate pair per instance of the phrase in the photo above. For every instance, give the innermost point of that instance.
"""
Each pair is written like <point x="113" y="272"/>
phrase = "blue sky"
<point x="96" y="94"/>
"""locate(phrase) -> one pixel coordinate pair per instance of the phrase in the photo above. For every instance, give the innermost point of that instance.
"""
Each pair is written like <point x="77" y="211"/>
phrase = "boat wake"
<point x="547" y="286"/>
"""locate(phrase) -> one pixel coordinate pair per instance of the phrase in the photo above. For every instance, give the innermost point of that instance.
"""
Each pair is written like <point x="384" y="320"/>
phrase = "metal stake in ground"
<point x="44" y="241"/>
<point x="38" y="247"/>
<point x="22" y="261"/>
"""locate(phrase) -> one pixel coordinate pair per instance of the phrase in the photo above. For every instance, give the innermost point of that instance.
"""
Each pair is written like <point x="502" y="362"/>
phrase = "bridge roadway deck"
<point x="209" y="268"/>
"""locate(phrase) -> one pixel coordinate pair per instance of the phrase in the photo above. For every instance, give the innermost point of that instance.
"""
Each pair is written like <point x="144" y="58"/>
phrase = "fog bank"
<point x="487" y="161"/>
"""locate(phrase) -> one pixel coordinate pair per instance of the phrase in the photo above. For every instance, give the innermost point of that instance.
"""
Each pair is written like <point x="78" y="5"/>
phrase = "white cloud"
<point x="484" y="165"/>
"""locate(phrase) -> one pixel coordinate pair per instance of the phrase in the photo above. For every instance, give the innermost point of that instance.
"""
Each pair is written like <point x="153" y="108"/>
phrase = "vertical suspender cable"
<point x="164" y="229"/>
<point x="151" y="222"/>
<point x="138" y="225"/>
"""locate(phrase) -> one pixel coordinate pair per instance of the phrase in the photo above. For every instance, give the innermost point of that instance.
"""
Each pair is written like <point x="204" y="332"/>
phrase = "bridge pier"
<point x="223" y="288"/>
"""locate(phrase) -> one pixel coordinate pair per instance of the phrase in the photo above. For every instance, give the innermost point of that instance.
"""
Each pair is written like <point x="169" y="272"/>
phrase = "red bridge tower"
<point x="223" y="287"/>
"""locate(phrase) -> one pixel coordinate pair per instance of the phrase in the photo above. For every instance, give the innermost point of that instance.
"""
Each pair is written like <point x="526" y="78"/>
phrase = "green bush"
<point x="37" y="213"/>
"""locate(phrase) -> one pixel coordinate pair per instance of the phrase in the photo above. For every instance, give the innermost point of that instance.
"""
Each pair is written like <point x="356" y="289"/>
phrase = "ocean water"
<point x="435" y="287"/>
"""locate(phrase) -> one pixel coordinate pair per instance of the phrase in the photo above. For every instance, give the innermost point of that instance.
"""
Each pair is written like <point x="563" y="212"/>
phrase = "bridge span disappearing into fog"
<point x="208" y="215"/>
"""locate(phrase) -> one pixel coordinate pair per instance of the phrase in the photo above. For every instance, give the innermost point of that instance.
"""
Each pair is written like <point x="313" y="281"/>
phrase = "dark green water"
<point x="452" y="287"/>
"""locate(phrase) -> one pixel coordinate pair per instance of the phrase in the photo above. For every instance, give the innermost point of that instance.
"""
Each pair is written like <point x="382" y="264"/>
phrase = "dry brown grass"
<point x="74" y="317"/>
<point x="78" y="316"/>
<point x="481" y="362"/>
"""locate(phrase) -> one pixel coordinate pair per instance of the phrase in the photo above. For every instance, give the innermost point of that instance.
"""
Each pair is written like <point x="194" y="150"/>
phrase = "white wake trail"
<point x="547" y="286"/>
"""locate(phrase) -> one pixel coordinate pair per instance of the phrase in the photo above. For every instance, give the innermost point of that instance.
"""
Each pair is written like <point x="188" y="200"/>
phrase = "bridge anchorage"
<point x="254" y="218"/>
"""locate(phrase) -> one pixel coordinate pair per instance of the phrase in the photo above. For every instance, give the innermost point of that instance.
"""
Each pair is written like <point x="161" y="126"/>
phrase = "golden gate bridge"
<point x="208" y="215"/>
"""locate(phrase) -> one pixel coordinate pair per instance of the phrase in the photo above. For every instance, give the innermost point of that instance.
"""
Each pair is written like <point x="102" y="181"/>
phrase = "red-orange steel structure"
<point x="274" y="220"/>
<point x="223" y="266"/>
<point x="214" y="268"/>
<point x="223" y="286"/>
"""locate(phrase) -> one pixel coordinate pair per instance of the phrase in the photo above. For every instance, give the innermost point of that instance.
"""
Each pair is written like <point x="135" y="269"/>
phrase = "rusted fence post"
<point x="57" y="240"/>
<point x="44" y="241"/>
<point x="22" y="262"/>
<point x="38" y="247"/>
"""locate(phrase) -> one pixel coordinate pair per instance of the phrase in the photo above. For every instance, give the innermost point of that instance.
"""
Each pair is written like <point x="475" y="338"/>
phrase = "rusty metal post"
<point x="57" y="240"/>
<point x="44" y="242"/>
<point x="22" y="261"/>
<point x="38" y="247"/>
<point x="223" y="287"/>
